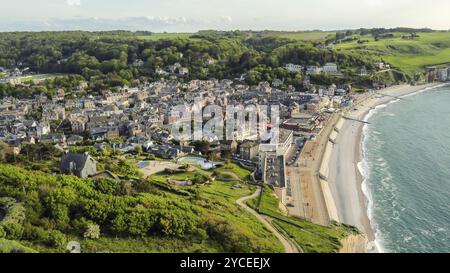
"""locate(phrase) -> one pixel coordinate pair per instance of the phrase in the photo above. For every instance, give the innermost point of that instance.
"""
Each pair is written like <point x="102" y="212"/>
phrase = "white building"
<point x="379" y="65"/>
<point x="294" y="68"/>
<point x="363" y="71"/>
<point x="277" y="83"/>
<point x="331" y="90"/>
<point x="313" y="70"/>
<point x="330" y="68"/>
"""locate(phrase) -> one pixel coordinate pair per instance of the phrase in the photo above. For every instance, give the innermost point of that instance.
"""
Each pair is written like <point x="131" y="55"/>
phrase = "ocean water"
<point x="406" y="164"/>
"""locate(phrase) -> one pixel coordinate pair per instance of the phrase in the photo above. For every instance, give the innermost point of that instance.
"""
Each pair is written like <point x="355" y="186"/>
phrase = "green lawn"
<point x="42" y="77"/>
<point x="163" y="177"/>
<point x="301" y="35"/>
<point x="310" y="237"/>
<point x="410" y="56"/>
<point x="242" y="173"/>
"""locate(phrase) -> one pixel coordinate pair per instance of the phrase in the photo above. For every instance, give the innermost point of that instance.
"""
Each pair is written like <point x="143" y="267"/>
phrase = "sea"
<point x="406" y="166"/>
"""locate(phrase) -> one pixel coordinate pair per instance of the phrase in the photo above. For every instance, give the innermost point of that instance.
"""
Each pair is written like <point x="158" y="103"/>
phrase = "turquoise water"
<point x="406" y="162"/>
<point x="203" y="163"/>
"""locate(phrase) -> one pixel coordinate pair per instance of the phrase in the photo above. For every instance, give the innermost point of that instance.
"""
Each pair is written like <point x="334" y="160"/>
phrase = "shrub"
<point x="92" y="231"/>
<point x="106" y="186"/>
<point x="13" y="231"/>
<point x="56" y="239"/>
<point x="2" y="232"/>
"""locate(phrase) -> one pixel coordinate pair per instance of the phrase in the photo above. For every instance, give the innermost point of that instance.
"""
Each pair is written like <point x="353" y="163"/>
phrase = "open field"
<point x="42" y="77"/>
<point x="410" y="56"/>
<point x="301" y="35"/>
<point x="162" y="36"/>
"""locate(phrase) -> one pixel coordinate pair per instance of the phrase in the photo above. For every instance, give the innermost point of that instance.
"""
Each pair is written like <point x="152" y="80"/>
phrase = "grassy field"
<point x="300" y="35"/>
<point x="41" y="77"/>
<point x="310" y="237"/>
<point x="307" y="36"/>
<point x="240" y="172"/>
<point x="161" y="36"/>
<point x="409" y="56"/>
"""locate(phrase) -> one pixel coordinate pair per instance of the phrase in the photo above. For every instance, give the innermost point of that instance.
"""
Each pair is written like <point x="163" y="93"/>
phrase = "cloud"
<point x="226" y="19"/>
<point x="73" y="3"/>
<point x="151" y="23"/>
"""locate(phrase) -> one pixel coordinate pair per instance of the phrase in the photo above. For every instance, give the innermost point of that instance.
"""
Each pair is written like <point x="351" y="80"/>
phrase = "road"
<point x="308" y="199"/>
<point x="287" y="244"/>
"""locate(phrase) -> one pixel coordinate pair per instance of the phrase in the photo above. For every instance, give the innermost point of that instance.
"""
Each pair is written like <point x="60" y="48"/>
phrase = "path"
<point x="288" y="245"/>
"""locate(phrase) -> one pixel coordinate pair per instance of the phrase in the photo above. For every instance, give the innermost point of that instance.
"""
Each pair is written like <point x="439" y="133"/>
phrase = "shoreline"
<point x="347" y="183"/>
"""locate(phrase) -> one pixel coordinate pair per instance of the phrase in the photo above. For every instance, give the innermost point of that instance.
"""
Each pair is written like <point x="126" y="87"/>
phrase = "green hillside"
<point x="44" y="212"/>
<point x="407" y="55"/>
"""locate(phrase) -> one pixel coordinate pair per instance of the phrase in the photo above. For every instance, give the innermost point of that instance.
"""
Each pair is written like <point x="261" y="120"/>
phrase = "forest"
<point x="107" y="59"/>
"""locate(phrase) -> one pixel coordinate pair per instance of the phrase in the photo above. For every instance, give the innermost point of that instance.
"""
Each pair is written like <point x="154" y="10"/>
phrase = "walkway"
<point x="288" y="245"/>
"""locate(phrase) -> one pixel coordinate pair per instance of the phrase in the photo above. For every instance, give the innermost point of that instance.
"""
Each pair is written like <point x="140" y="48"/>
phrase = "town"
<point x="139" y="119"/>
<point x="214" y="142"/>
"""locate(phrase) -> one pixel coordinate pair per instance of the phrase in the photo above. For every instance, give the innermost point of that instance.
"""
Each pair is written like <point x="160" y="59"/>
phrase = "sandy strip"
<point x="344" y="178"/>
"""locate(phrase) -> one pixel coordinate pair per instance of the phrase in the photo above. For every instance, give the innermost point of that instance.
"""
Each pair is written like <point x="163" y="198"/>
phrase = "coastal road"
<point x="287" y="244"/>
<point x="309" y="200"/>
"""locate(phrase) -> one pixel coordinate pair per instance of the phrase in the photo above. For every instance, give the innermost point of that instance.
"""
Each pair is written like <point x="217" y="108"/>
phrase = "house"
<point x="301" y="123"/>
<point x="161" y="72"/>
<point x="183" y="71"/>
<point x="363" y="71"/>
<point x="53" y="112"/>
<point x="277" y="83"/>
<point x="331" y="90"/>
<point x="294" y="68"/>
<point x="229" y="145"/>
<point x="78" y="125"/>
<point x="313" y="70"/>
<point x="43" y="129"/>
<point x="138" y="63"/>
<point x="81" y="165"/>
<point x="330" y="68"/>
<point x="53" y="138"/>
<point x="249" y="150"/>
<point x="379" y="65"/>
<point x="74" y="139"/>
<point x="164" y="151"/>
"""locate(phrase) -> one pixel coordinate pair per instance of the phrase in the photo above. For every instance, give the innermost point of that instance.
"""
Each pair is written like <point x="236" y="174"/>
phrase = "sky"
<point x="194" y="15"/>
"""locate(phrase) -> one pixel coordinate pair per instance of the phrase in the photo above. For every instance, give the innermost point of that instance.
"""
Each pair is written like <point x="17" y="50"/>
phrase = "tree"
<point x="202" y="146"/>
<point x="92" y="231"/>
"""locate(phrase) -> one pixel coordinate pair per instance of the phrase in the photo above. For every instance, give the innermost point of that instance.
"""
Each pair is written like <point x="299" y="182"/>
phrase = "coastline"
<point x="346" y="180"/>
